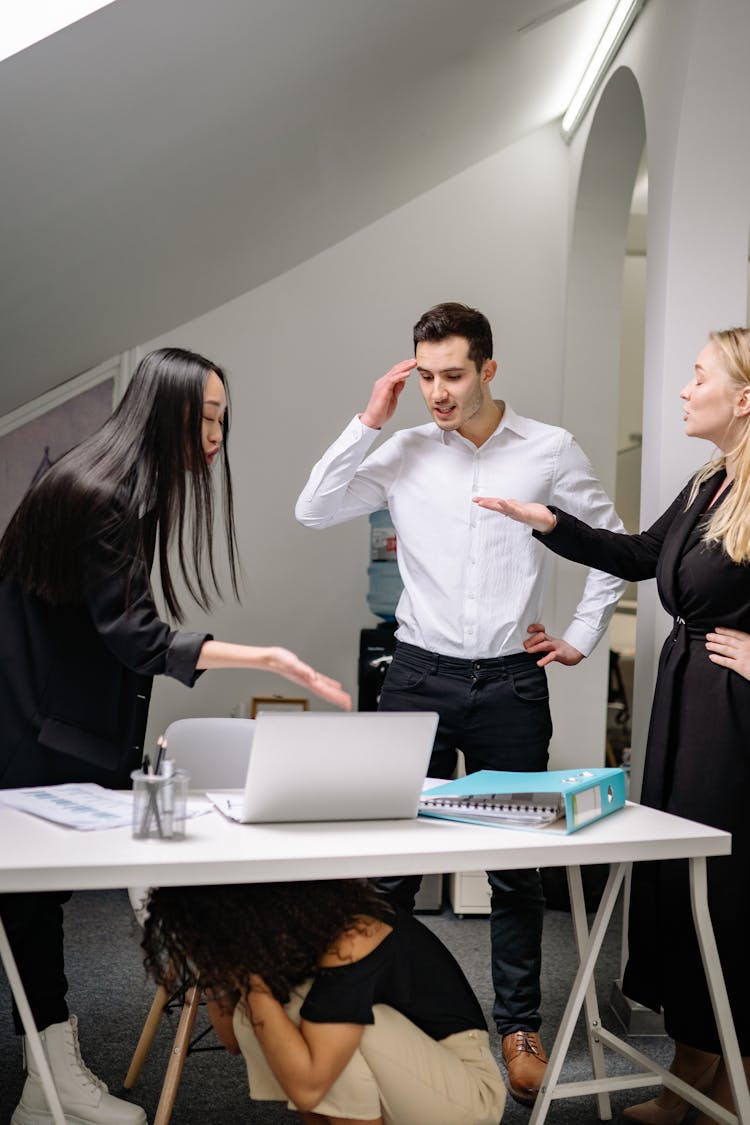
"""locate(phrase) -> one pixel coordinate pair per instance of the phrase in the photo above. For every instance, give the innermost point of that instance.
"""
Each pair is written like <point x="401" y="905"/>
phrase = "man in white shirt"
<point x="470" y="645"/>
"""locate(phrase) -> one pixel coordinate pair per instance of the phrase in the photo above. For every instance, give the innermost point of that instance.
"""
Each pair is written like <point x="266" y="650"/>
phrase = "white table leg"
<point x="588" y="958"/>
<point x="590" y="1003"/>
<point x="33" y="1042"/>
<point x="717" y="989"/>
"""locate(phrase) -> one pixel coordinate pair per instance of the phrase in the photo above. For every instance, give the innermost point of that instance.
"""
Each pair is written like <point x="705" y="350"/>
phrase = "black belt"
<point x="436" y="663"/>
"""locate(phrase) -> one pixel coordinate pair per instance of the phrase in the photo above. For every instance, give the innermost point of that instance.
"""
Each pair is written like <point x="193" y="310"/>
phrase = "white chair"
<point x="215" y="753"/>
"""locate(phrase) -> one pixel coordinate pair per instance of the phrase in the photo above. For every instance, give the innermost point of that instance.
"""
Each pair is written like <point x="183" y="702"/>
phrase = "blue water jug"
<point x="385" y="581"/>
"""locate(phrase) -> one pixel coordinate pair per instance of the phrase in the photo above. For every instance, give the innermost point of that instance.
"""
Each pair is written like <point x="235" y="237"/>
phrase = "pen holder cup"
<point x="159" y="805"/>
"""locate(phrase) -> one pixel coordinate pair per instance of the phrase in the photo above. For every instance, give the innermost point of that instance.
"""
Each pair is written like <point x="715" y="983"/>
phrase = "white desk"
<point x="39" y="856"/>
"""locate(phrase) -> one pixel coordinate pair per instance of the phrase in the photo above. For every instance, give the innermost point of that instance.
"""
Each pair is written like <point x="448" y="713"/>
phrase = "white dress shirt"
<point x="473" y="579"/>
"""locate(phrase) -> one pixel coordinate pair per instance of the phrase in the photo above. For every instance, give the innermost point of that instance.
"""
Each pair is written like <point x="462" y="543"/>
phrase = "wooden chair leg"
<point x="611" y="759"/>
<point x="150" y="1027"/>
<point x="178" y="1055"/>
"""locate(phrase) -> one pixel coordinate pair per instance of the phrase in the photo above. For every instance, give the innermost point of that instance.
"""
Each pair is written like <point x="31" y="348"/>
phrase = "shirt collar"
<point x="509" y="421"/>
<point x="513" y="422"/>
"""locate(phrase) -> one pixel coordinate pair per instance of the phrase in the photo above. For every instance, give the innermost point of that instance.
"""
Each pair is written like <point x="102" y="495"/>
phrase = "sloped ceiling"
<point x="163" y="156"/>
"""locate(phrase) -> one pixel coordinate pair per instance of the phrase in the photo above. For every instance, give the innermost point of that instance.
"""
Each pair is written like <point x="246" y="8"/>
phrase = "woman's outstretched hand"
<point x="226" y="654"/>
<point x="731" y="649"/>
<point x="285" y="663"/>
<point x="536" y="516"/>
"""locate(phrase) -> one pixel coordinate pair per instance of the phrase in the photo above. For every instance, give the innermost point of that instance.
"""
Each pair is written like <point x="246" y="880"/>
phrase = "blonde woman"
<point x="698" y="752"/>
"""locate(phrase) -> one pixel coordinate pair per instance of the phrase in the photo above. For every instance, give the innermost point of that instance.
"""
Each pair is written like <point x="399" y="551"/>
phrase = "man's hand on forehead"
<point x="385" y="394"/>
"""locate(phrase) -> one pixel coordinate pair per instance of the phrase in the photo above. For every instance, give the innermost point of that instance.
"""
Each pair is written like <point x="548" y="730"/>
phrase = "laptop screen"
<point x="364" y="765"/>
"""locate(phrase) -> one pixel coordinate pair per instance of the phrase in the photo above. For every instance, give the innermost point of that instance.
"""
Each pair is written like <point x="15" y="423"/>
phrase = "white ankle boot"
<point x="84" y="1097"/>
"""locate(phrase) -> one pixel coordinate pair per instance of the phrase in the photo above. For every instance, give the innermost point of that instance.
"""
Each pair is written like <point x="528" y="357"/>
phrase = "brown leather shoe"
<point x="524" y="1056"/>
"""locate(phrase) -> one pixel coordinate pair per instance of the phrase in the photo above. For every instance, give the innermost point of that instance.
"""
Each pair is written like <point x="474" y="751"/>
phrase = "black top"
<point x="411" y="971"/>
<point x="75" y="679"/>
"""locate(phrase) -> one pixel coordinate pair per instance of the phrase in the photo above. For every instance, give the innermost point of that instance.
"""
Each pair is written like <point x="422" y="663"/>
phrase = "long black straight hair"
<point x="146" y="463"/>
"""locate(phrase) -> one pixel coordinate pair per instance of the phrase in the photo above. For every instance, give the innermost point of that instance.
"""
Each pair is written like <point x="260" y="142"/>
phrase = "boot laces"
<point x="78" y="1063"/>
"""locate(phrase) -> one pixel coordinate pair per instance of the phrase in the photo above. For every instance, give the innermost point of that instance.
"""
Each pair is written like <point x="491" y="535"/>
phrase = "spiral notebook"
<point x="555" y="800"/>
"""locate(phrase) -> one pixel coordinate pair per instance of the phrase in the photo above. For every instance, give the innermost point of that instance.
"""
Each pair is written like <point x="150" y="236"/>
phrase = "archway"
<point x="591" y="386"/>
<point x="600" y="309"/>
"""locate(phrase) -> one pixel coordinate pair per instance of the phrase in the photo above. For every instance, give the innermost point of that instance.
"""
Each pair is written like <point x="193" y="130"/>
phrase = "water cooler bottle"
<point x="376" y="645"/>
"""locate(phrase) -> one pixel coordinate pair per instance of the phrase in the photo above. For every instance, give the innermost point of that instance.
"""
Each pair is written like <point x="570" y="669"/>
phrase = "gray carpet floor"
<point x="110" y="994"/>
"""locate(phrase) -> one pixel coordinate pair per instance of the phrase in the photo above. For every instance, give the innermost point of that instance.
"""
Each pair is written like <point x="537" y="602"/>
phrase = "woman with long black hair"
<point x="345" y="1007"/>
<point x="81" y="640"/>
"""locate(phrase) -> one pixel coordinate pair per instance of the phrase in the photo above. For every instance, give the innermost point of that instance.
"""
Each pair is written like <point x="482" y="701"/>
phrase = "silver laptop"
<point x="366" y="765"/>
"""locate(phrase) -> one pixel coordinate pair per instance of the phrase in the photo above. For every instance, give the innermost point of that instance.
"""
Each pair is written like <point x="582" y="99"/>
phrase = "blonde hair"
<point x="729" y="524"/>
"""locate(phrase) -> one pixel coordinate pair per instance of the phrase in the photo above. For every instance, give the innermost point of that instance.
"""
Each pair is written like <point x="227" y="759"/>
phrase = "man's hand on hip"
<point x="554" y="648"/>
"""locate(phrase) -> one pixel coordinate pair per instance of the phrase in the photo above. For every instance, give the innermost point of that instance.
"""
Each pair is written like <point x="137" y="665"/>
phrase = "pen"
<point x="146" y="764"/>
<point x="161" y="745"/>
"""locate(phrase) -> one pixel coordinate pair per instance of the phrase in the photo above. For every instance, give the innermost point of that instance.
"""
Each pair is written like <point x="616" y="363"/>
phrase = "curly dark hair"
<point x="224" y="934"/>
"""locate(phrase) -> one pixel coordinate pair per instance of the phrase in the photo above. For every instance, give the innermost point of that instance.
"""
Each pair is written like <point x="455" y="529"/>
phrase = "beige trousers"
<point x="398" y="1072"/>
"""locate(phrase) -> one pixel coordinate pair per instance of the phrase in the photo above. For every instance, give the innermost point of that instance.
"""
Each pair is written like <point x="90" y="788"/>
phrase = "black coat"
<point x="75" y="680"/>
<point x="697" y="761"/>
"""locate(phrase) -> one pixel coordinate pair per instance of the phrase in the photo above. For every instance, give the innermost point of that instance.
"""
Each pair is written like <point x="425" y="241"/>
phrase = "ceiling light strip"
<point x="614" y="34"/>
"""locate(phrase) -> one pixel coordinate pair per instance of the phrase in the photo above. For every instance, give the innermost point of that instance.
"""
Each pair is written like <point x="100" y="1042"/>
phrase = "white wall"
<point x="630" y="405"/>
<point x="302" y="353"/>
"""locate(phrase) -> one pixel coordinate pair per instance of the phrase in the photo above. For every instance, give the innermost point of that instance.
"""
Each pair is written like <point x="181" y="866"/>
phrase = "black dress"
<point x="697" y="762"/>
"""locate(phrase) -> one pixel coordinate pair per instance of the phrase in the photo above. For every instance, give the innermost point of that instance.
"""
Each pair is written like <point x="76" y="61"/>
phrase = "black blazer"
<point x="75" y="680"/>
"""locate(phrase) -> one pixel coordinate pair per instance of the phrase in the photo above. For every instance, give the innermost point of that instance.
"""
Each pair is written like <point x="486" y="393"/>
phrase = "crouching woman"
<point x="348" y="1010"/>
